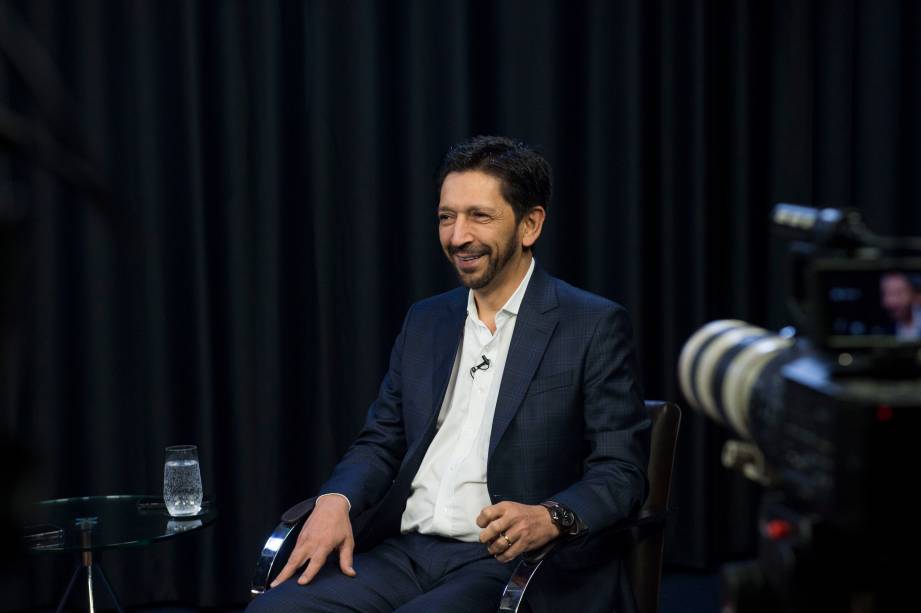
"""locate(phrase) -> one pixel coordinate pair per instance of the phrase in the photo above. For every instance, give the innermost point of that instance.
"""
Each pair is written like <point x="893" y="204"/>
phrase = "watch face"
<point x="561" y="517"/>
<point x="566" y="519"/>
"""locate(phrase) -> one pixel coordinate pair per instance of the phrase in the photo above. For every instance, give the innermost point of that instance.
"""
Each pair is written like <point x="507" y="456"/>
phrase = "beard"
<point x="495" y="263"/>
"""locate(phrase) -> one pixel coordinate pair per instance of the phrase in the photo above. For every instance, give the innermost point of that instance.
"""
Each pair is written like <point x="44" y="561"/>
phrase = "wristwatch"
<point x="564" y="519"/>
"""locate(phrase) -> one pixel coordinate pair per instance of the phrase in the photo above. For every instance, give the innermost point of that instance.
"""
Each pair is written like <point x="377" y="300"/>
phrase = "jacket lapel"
<point x="446" y="342"/>
<point x="537" y="318"/>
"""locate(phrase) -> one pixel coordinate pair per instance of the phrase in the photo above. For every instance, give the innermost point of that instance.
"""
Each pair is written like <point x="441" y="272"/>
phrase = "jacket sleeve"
<point x="617" y="428"/>
<point x="369" y="466"/>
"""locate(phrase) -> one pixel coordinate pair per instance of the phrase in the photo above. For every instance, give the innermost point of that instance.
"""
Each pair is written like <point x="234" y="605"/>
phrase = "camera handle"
<point x="745" y="457"/>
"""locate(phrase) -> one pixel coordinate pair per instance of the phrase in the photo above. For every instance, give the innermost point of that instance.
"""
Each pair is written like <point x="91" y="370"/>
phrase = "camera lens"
<point x="720" y="365"/>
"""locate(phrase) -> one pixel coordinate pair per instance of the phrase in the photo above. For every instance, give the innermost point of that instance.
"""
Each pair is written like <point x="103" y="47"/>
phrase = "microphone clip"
<point x="484" y="365"/>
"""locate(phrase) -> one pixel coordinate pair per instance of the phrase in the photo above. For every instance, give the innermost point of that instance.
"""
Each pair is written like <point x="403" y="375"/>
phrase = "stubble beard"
<point x="494" y="266"/>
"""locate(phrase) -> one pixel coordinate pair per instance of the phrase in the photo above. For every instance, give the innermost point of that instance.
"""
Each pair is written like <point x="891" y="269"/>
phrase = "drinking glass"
<point x="182" y="491"/>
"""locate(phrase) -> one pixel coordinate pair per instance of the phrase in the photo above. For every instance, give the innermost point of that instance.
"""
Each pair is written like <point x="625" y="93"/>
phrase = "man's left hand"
<point x="510" y="529"/>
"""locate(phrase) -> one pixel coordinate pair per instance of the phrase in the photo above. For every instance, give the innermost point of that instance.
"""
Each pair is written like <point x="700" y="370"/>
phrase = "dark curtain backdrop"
<point x="271" y="218"/>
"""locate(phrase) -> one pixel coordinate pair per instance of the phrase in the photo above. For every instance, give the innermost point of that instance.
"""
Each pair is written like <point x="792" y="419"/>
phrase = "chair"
<point x="644" y="564"/>
<point x="640" y="540"/>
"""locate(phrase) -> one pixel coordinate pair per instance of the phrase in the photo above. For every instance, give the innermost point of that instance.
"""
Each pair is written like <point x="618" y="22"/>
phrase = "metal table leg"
<point x="93" y="571"/>
<point x="88" y="565"/>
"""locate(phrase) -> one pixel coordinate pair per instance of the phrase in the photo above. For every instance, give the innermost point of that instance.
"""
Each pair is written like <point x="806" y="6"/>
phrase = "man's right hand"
<point x="327" y="529"/>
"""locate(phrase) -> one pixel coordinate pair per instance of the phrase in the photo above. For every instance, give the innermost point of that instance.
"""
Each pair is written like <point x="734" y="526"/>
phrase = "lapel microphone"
<point x="481" y="366"/>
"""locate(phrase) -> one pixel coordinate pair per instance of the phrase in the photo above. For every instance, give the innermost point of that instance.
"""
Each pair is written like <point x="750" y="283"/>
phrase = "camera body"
<point x="823" y="419"/>
<point x="834" y="522"/>
<point x="835" y="444"/>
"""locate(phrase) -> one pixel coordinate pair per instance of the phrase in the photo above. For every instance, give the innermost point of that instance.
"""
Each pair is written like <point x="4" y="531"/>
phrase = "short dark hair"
<point x="525" y="174"/>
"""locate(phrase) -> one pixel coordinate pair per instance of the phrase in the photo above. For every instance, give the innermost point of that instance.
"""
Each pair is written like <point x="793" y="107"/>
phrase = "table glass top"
<point x="108" y="522"/>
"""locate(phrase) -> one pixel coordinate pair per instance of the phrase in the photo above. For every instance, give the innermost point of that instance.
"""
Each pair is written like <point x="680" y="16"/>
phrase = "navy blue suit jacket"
<point x="569" y="424"/>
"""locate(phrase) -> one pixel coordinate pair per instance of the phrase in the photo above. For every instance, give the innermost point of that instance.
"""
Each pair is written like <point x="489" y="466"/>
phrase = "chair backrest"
<point x="644" y="563"/>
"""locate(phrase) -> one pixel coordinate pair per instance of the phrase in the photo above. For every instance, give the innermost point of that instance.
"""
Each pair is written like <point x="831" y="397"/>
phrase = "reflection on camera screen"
<point x="874" y="303"/>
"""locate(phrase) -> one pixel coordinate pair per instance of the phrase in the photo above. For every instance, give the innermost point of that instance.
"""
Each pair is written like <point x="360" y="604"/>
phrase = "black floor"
<point x="689" y="593"/>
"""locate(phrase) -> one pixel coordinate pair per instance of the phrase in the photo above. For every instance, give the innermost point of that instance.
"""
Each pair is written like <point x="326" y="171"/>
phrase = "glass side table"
<point x="85" y="526"/>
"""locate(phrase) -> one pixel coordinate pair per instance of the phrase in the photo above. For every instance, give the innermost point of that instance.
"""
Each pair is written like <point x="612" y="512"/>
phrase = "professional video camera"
<point x="826" y="419"/>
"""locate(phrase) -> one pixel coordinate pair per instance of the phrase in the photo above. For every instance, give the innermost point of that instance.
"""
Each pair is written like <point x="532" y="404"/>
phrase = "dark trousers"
<point x="407" y="573"/>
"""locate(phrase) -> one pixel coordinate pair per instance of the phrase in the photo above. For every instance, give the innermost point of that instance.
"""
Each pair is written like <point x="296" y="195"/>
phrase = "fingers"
<point x="494" y="529"/>
<point x="516" y="530"/>
<point x="345" y="558"/>
<point x="284" y="575"/>
<point x="490" y="513"/>
<point x="518" y="547"/>
<point x="317" y="554"/>
<point x="494" y="521"/>
<point x="327" y="529"/>
<point x="502" y="543"/>
<point x="294" y="562"/>
<point x="316" y="563"/>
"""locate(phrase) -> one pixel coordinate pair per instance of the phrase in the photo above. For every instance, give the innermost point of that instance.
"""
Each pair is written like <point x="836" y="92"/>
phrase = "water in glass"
<point x="182" y="490"/>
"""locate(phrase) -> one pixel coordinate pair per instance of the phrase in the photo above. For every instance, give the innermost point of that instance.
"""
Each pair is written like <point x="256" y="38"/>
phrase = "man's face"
<point x="477" y="227"/>
<point x="897" y="296"/>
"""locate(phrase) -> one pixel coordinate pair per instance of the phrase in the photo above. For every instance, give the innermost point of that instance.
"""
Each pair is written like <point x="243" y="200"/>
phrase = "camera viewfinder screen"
<point x="873" y="303"/>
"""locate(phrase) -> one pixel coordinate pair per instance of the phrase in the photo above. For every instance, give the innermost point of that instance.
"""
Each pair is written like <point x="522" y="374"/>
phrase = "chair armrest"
<point x="616" y="539"/>
<point x="278" y="546"/>
<point x="299" y="511"/>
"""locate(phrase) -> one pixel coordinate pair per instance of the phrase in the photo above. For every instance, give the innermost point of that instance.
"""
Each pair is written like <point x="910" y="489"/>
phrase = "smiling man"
<point x="900" y="299"/>
<point x="510" y="416"/>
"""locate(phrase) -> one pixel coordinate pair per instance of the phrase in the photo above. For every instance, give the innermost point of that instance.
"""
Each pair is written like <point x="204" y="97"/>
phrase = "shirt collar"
<point x="512" y="305"/>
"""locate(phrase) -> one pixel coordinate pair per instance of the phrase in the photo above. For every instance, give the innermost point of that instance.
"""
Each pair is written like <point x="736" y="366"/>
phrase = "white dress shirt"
<point x="912" y="331"/>
<point x="449" y="490"/>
